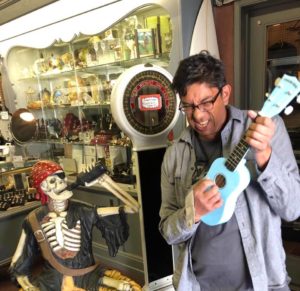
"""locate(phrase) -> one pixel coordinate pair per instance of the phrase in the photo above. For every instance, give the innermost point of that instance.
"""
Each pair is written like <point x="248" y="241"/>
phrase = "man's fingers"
<point x="252" y="114"/>
<point x="214" y="200"/>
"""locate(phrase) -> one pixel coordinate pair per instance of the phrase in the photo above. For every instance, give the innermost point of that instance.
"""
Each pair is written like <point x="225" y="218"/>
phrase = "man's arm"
<point x="177" y="222"/>
<point x="280" y="178"/>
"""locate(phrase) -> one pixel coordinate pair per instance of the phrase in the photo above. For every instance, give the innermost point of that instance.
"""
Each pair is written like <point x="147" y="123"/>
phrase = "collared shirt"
<point x="272" y="195"/>
<point x="218" y="258"/>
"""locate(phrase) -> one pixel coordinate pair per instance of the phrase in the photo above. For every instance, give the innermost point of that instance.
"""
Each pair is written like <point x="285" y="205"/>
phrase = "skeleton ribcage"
<point x="60" y="236"/>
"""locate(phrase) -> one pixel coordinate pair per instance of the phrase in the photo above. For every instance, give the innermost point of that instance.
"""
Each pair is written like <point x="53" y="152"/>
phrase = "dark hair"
<point x="199" y="68"/>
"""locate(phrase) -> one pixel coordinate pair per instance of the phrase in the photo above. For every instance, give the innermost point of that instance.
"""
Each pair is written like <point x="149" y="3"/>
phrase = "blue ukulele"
<point x="230" y="174"/>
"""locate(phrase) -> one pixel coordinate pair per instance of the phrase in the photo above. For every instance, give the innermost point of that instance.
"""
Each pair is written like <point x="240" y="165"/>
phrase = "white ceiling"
<point x="12" y="9"/>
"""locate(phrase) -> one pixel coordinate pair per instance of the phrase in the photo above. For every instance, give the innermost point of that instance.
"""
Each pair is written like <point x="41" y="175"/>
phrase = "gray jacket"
<point x="272" y="195"/>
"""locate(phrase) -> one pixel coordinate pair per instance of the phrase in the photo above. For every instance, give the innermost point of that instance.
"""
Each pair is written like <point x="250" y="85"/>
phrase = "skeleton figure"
<point x="66" y="228"/>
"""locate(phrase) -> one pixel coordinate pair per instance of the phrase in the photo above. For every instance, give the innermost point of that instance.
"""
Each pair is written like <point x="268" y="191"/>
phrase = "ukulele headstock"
<point x="286" y="89"/>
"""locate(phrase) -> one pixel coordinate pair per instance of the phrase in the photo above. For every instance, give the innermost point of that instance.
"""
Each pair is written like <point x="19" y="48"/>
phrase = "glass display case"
<point x="67" y="88"/>
<point x="62" y="71"/>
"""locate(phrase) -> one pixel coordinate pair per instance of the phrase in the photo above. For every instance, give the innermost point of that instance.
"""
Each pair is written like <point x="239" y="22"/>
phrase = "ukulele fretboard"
<point x="237" y="155"/>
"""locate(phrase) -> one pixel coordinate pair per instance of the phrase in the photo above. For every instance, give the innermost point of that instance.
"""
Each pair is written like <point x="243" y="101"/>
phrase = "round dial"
<point x="149" y="102"/>
<point x="144" y="105"/>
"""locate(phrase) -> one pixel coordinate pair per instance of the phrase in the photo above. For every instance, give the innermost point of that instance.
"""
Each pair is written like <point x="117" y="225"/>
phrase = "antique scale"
<point x="145" y="107"/>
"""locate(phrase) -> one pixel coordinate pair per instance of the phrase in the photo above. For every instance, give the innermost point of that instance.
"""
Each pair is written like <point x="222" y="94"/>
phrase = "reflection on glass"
<point x="283" y="57"/>
<point x="283" y="51"/>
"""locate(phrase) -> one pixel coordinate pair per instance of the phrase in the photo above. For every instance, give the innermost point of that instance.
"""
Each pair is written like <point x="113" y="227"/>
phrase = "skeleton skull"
<point x="55" y="186"/>
<point x="47" y="188"/>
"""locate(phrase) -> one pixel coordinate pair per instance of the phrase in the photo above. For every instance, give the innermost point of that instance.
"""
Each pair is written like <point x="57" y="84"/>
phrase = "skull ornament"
<point x="55" y="186"/>
<point x="48" y="179"/>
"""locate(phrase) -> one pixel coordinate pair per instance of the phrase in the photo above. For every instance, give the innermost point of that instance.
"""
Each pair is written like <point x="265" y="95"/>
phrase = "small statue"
<point x="61" y="230"/>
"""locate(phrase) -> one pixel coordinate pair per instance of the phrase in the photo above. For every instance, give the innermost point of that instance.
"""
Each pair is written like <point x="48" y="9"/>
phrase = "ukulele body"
<point x="231" y="184"/>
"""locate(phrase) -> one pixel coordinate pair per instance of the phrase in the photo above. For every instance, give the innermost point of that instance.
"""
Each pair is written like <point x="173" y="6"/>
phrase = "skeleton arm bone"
<point x="97" y="174"/>
<point x="131" y="205"/>
<point x="22" y="280"/>
<point x="105" y="211"/>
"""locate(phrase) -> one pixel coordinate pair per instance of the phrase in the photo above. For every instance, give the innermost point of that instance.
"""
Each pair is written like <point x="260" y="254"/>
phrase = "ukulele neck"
<point x="237" y="155"/>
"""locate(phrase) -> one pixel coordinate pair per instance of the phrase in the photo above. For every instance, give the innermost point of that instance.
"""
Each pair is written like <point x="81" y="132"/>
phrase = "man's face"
<point x="207" y="123"/>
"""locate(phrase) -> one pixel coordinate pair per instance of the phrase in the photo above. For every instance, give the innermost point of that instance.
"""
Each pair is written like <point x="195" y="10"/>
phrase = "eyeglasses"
<point x="203" y="106"/>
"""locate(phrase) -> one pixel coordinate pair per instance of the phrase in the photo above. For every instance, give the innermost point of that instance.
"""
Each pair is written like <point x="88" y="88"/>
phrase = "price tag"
<point x="4" y="115"/>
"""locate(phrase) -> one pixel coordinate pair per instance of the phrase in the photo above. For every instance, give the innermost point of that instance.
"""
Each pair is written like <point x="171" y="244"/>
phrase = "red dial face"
<point x="149" y="102"/>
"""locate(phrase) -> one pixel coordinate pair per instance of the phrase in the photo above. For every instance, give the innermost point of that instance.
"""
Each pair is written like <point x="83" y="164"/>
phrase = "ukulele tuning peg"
<point x="267" y="94"/>
<point x="298" y="99"/>
<point x="288" y="110"/>
<point x="277" y="81"/>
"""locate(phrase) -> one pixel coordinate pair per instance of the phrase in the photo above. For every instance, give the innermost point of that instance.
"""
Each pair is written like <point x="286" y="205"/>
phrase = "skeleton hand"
<point x="124" y="286"/>
<point x="117" y="284"/>
<point x="115" y="279"/>
<point x="25" y="284"/>
<point x="129" y="209"/>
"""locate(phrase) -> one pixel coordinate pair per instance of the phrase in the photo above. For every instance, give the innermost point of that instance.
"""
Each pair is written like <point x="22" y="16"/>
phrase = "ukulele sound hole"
<point x="220" y="181"/>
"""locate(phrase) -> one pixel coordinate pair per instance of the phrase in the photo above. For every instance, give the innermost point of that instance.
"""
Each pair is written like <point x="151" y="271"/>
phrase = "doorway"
<point x="252" y="20"/>
<point x="267" y="45"/>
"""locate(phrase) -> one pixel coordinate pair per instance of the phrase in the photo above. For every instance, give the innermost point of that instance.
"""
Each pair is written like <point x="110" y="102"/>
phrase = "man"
<point x="246" y="252"/>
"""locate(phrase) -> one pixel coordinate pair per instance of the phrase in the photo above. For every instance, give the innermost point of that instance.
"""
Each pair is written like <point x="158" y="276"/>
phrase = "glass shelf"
<point x="67" y="86"/>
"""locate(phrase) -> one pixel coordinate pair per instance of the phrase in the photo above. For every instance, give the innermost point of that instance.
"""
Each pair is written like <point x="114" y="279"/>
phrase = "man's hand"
<point x="259" y="137"/>
<point x="206" y="198"/>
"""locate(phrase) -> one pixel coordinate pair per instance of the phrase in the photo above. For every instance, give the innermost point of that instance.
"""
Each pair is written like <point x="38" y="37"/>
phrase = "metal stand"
<point x="157" y="254"/>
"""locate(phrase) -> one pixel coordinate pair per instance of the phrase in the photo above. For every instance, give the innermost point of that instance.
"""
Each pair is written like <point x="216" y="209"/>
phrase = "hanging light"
<point x="27" y="116"/>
